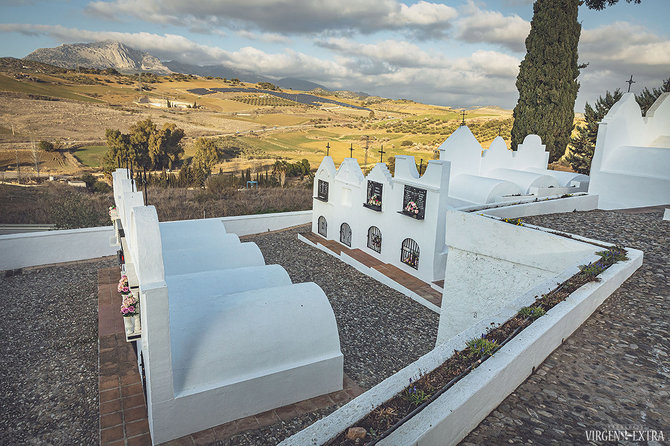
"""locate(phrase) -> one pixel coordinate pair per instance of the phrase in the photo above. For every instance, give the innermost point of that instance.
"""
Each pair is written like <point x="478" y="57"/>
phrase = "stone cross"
<point x="381" y="154"/>
<point x="630" y="82"/>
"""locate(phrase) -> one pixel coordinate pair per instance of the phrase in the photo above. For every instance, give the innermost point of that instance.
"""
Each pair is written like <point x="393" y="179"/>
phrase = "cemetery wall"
<point x="344" y="211"/>
<point x="501" y="262"/>
<point x="631" y="161"/>
<point x="452" y="416"/>
<point x="47" y="247"/>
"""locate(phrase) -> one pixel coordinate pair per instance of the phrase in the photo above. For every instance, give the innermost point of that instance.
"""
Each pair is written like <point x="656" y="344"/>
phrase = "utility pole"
<point x="18" y="167"/>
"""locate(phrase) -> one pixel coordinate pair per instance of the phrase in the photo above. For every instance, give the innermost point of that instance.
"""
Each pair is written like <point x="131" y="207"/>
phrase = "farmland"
<point x="74" y="109"/>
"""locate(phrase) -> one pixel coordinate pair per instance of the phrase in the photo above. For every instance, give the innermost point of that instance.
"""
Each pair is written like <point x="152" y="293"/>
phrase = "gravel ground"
<point x="49" y="355"/>
<point x="381" y="330"/>
<point x="614" y="371"/>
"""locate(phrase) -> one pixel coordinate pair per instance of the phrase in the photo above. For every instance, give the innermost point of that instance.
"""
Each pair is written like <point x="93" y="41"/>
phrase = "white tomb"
<point x="631" y="161"/>
<point x="224" y="336"/>
<point x="374" y="213"/>
<point x="489" y="271"/>
<point x="498" y="174"/>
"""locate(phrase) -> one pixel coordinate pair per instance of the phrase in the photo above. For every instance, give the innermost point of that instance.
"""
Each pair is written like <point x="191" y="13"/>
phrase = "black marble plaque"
<point x="374" y="197"/>
<point x="414" y="202"/>
<point x="322" y="191"/>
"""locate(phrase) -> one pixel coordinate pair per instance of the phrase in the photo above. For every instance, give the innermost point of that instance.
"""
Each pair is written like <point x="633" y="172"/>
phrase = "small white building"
<point x="631" y="161"/>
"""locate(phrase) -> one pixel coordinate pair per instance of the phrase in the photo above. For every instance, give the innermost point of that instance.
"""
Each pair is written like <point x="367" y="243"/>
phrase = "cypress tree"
<point x="584" y="143"/>
<point x="547" y="80"/>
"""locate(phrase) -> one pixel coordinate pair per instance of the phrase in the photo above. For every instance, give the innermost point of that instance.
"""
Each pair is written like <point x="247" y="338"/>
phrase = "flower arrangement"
<point x="111" y="209"/>
<point x="411" y="260"/>
<point x="412" y="208"/>
<point x="130" y="306"/>
<point x="374" y="201"/>
<point x="123" y="287"/>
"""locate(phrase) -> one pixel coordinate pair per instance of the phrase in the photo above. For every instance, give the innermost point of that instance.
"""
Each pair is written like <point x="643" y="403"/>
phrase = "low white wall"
<point x="554" y="206"/>
<point x="584" y="301"/>
<point x="254" y="224"/>
<point x="455" y="413"/>
<point x="43" y="248"/>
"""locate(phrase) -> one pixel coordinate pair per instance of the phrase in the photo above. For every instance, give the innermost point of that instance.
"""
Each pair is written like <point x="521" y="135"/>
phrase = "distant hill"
<point x="99" y="55"/>
<point x="293" y="83"/>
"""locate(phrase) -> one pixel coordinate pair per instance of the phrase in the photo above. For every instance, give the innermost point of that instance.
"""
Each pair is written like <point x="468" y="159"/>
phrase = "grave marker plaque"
<point x="322" y="193"/>
<point x="414" y="202"/>
<point x="374" y="197"/>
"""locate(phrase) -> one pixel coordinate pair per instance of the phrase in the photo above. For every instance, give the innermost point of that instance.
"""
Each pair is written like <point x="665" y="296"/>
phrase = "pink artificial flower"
<point x="131" y="309"/>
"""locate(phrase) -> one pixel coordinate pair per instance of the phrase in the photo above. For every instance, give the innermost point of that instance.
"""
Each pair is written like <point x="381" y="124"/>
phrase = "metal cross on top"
<point x="463" y="113"/>
<point x="381" y="154"/>
<point x="328" y="149"/>
<point x="421" y="166"/>
<point x="630" y="82"/>
<point x="351" y="150"/>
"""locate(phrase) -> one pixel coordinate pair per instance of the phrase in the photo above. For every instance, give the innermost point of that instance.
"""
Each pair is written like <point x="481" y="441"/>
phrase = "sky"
<point x="461" y="53"/>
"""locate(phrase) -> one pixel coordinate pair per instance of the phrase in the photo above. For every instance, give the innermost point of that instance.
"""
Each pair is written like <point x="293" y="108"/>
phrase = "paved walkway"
<point x="614" y="371"/>
<point x="394" y="273"/>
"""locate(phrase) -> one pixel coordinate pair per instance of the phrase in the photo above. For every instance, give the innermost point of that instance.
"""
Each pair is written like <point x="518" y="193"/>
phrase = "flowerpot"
<point x="137" y="325"/>
<point x="129" y="325"/>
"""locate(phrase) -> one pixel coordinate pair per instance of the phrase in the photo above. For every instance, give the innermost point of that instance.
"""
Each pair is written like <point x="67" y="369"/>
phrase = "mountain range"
<point x="110" y="54"/>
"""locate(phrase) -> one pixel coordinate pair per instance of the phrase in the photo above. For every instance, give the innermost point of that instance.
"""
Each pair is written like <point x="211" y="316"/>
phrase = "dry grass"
<point x="71" y="207"/>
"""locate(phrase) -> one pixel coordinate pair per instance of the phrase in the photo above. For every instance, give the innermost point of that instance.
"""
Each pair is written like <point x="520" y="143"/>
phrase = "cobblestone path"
<point x="614" y="371"/>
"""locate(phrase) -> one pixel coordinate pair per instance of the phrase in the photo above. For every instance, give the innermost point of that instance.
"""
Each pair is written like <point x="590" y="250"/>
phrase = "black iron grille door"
<point x="345" y="234"/>
<point x="409" y="254"/>
<point x="323" y="226"/>
<point x="375" y="239"/>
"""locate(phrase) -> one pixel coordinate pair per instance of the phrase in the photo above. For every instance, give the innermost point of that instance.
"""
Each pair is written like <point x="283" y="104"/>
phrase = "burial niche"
<point x="375" y="239"/>
<point x="414" y="202"/>
<point x="409" y="253"/>
<point x="322" y="192"/>
<point x="323" y="226"/>
<point x="345" y="234"/>
<point x="374" y="196"/>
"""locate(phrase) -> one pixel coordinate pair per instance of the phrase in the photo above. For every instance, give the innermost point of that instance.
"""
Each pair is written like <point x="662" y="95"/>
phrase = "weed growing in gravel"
<point x="532" y="312"/>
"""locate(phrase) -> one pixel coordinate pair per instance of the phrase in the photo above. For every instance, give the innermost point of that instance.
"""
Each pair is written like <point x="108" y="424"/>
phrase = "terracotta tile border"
<point x="394" y="273"/>
<point x="123" y="411"/>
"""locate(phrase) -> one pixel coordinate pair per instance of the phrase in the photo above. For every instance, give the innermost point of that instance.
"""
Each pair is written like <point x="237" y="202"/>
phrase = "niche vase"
<point x="137" y="326"/>
<point x="129" y="324"/>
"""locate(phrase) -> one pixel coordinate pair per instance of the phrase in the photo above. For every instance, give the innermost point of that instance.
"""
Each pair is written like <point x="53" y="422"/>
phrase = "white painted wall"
<point x="43" y="248"/>
<point x="464" y="406"/>
<point x="491" y="262"/>
<point x="497" y="174"/>
<point x="631" y="162"/>
<point x="224" y="336"/>
<point x="348" y="193"/>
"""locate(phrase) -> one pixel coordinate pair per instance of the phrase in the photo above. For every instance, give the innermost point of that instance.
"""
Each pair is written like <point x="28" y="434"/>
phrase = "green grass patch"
<point x="91" y="156"/>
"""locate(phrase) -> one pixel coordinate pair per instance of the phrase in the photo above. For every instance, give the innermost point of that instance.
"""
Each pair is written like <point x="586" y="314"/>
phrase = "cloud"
<point x="279" y="16"/>
<point x="481" y="26"/>
<point x="616" y="51"/>
<point x="263" y="37"/>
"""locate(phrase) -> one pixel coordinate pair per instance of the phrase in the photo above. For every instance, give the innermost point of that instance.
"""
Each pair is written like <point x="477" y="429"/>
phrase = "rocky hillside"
<point x="99" y="55"/>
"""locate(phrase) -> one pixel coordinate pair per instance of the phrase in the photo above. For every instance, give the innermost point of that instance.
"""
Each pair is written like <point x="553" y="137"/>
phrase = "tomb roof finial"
<point x="630" y="82"/>
<point x="463" y="114"/>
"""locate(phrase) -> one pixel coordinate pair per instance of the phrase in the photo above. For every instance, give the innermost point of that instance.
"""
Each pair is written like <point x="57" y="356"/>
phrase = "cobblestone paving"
<point x="49" y="355"/>
<point x="615" y="369"/>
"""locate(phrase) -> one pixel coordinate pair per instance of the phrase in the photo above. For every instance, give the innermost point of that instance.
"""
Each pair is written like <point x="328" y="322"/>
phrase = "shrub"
<point x="46" y="146"/>
<point x="89" y="180"/>
<point x="100" y="187"/>
<point x="407" y="142"/>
